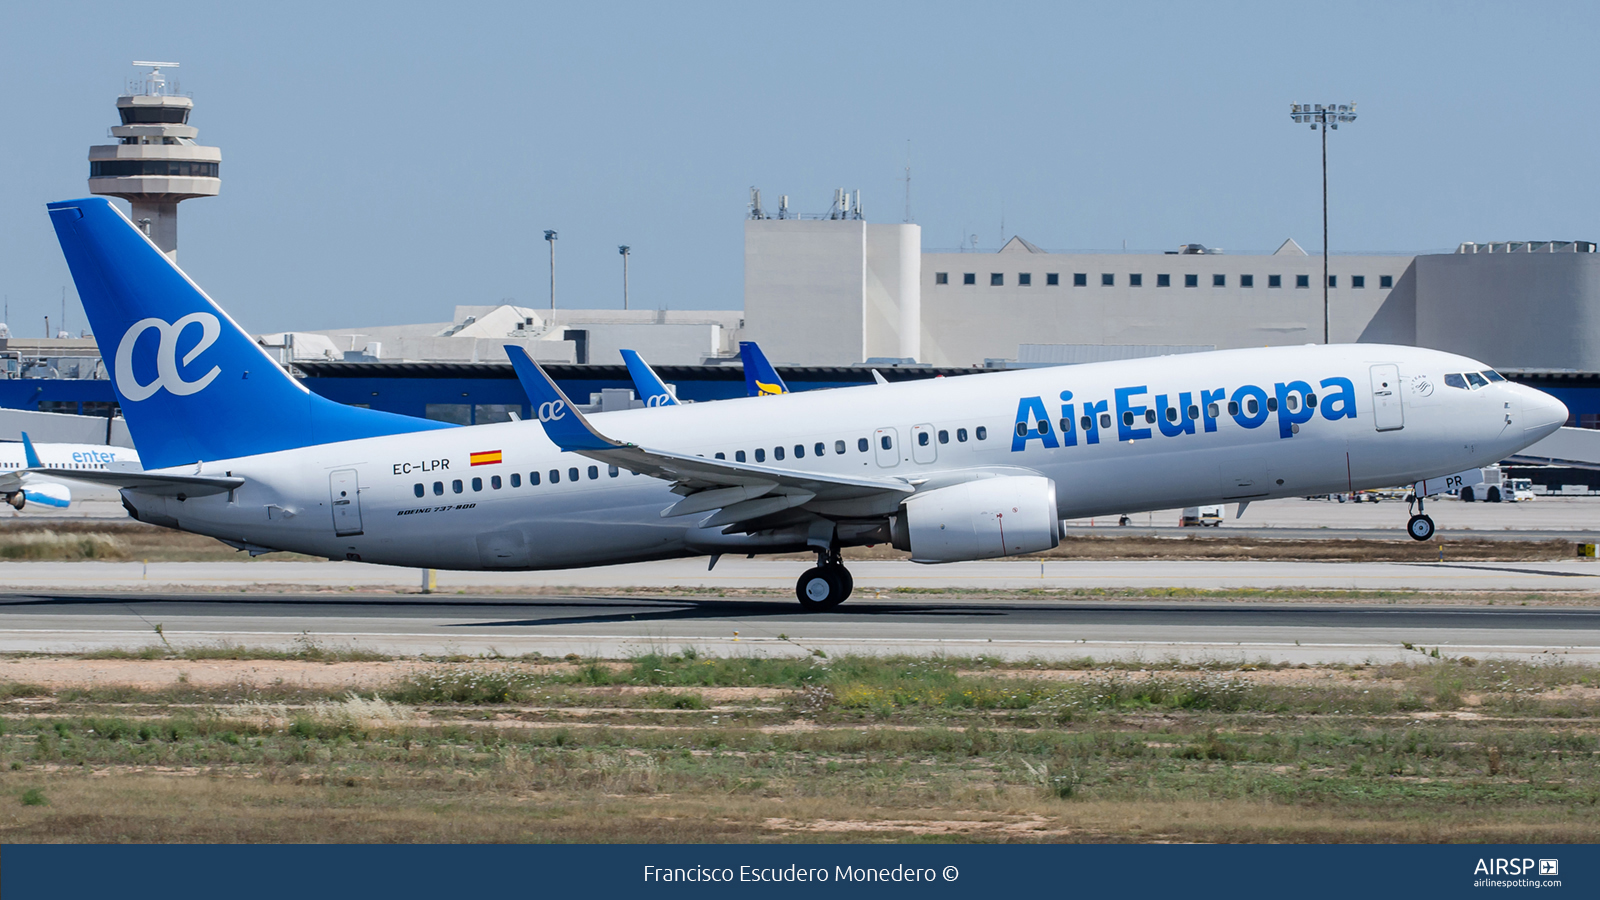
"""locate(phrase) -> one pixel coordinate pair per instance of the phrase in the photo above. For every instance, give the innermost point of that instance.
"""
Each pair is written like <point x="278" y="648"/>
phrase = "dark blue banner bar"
<point x="306" y="872"/>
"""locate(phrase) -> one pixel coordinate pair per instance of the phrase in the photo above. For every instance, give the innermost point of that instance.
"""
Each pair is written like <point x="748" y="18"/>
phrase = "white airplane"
<point x="950" y="469"/>
<point x="20" y="484"/>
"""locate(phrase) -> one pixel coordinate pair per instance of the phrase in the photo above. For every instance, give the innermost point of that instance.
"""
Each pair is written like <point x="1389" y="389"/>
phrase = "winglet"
<point x="652" y="390"/>
<point x="29" y="454"/>
<point x="563" y="424"/>
<point x="760" y="378"/>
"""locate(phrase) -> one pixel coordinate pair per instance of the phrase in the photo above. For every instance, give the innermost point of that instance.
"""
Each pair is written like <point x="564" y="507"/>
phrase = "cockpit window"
<point x="1455" y="381"/>
<point x="1492" y="375"/>
<point x="1476" y="380"/>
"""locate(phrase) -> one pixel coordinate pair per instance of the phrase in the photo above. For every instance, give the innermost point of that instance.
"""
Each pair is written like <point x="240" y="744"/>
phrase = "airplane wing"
<point x="148" y="482"/>
<point x="741" y="492"/>
<point x="652" y="390"/>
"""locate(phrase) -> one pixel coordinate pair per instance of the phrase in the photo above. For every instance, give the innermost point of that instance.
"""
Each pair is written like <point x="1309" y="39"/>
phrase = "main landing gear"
<point x="1420" y="526"/>
<point x="826" y="585"/>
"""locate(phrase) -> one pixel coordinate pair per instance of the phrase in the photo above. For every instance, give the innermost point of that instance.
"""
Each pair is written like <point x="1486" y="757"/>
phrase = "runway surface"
<point x="621" y="627"/>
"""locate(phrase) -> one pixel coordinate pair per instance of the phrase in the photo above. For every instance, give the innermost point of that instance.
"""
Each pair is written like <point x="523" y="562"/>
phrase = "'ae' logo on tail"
<point x="167" y="375"/>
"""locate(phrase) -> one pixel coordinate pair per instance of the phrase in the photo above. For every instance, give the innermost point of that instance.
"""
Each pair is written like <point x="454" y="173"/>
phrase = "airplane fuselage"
<point x="1115" y="437"/>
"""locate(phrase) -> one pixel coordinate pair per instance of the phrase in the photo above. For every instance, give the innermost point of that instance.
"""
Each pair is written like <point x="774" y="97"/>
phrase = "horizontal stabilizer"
<point x="150" y="482"/>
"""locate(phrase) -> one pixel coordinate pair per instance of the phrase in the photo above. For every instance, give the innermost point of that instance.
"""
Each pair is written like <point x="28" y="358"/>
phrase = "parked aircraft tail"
<point x="192" y="384"/>
<point x="760" y="378"/>
<point x="652" y="390"/>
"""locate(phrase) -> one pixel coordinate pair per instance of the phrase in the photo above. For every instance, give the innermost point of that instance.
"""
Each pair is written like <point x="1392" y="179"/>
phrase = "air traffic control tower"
<point x="155" y="163"/>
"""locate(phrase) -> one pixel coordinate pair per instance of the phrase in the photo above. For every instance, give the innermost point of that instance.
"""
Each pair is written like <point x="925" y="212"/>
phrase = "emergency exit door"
<point x="1386" y="412"/>
<point x="346" y="497"/>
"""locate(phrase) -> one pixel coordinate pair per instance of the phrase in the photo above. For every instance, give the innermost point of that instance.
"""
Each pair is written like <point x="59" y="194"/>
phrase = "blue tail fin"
<point x="760" y="378"/>
<point x="192" y="384"/>
<point x="29" y="455"/>
<point x="652" y="390"/>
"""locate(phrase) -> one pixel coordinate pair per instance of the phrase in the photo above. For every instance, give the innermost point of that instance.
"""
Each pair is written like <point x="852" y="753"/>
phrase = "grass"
<point x="113" y="540"/>
<point x="671" y="747"/>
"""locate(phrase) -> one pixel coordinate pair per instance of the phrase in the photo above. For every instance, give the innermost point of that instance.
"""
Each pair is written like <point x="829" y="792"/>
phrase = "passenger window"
<point x="821" y="449"/>
<point x="1233" y="408"/>
<point x="1127" y="418"/>
<point x="1291" y="402"/>
<point x="1105" y="420"/>
<point x="612" y="471"/>
<point x="438" y="488"/>
<point x="1086" y="423"/>
<point x="1311" y="401"/>
<point x="1042" y="426"/>
<point x="594" y="472"/>
<point x="1455" y="381"/>
<point x="799" y="451"/>
<point x="922" y="439"/>
<point x="1272" y="404"/>
<point x="981" y="433"/>
<point x="961" y="435"/>
<point x="555" y="476"/>
<point x="1022" y="429"/>
<point x="944" y="436"/>
<point x="1150" y="416"/>
<point x="1194" y="412"/>
<point x="494" y="482"/>
<point x="761" y="455"/>
<point x="456" y="485"/>
<point x="1172" y="414"/>
<point x="572" y="474"/>
<point x="516" y="479"/>
<point x="533" y="478"/>
<point x="1492" y="375"/>
<point x="477" y="484"/>
<point x="722" y="455"/>
<point x="861" y="444"/>
<point x="1476" y="380"/>
<point x="886" y="442"/>
<point x="1251" y="406"/>
<point x="417" y="489"/>
<point x="777" y="453"/>
<point x="738" y="456"/>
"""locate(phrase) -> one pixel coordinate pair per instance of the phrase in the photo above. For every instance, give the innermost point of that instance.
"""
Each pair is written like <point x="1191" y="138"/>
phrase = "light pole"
<point x="550" y="237"/>
<point x="624" y="249"/>
<point x="1325" y="116"/>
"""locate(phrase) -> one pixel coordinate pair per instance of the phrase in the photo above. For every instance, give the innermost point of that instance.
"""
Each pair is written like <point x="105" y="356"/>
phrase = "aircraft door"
<point x="346" y="496"/>
<point x="884" y="441"/>
<point x="923" y="448"/>
<point x="1386" y="412"/>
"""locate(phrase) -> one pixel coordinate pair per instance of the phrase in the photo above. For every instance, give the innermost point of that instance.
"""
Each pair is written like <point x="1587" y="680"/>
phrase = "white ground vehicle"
<point x="1494" y="489"/>
<point x="1200" y="516"/>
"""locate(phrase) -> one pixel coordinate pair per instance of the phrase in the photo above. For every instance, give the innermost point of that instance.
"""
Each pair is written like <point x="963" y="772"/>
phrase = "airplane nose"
<point x="1543" y="413"/>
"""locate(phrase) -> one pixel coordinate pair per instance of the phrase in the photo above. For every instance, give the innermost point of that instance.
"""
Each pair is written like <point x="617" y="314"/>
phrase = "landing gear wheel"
<point x="822" y="588"/>
<point x="847" y="581"/>
<point x="1420" y="528"/>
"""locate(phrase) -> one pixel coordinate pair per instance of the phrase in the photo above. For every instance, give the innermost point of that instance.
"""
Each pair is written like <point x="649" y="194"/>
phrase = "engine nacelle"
<point x="980" y="519"/>
<point x="45" y="493"/>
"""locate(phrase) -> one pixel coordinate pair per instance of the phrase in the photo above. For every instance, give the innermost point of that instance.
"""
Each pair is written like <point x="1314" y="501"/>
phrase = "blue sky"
<point x="385" y="162"/>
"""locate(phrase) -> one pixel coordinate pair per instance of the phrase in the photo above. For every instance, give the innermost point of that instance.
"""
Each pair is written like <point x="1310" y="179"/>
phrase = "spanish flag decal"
<point x="486" y="458"/>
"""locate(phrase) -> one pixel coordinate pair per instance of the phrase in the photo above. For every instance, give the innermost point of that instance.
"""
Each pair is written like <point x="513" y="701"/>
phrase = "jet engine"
<point x="47" y="493"/>
<point x="980" y="519"/>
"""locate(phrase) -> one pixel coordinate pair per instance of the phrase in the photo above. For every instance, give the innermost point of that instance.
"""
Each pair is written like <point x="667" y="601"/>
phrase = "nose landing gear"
<point x="826" y="585"/>
<point x="1420" y="526"/>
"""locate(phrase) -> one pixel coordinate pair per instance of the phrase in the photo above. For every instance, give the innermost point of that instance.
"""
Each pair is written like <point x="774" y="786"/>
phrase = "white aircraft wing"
<point x="741" y="491"/>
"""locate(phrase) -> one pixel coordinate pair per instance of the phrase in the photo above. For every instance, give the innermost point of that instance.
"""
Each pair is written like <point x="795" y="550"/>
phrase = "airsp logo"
<point x="167" y="375"/>
<point x="552" y="410"/>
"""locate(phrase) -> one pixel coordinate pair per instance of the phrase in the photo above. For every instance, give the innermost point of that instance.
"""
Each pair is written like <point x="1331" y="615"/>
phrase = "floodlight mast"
<point x="624" y="249"/>
<point x="550" y="236"/>
<point x="1326" y="116"/>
